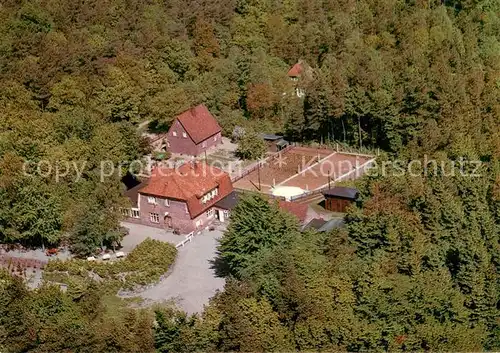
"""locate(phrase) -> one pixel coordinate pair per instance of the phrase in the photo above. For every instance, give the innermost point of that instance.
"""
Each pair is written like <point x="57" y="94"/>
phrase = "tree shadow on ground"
<point x="219" y="266"/>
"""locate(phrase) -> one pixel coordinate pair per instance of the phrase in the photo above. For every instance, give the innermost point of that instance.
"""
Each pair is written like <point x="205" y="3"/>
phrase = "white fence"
<point x="188" y="239"/>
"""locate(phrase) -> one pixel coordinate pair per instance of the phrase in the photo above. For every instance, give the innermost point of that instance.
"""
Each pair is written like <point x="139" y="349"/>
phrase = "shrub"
<point x="251" y="146"/>
<point x="161" y="156"/>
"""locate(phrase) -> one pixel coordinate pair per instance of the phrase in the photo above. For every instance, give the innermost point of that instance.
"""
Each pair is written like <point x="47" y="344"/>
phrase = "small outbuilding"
<point x="275" y="143"/>
<point x="322" y="225"/>
<point x="337" y="199"/>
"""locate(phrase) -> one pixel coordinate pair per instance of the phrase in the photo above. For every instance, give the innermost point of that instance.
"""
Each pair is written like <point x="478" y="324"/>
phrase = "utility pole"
<point x="258" y="174"/>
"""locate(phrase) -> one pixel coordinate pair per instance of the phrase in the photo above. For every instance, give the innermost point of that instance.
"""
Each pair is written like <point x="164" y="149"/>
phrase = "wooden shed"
<point x="338" y="198"/>
<point x="275" y="143"/>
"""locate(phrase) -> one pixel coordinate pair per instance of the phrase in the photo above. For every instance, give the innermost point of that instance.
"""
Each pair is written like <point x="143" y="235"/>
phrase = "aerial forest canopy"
<point x="417" y="266"/>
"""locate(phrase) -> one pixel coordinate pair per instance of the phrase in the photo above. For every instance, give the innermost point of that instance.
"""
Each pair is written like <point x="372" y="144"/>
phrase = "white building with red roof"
<point x="300" y="72"/>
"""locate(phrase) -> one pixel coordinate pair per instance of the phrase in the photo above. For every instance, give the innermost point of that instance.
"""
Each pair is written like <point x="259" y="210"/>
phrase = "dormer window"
<point x="210" y="195"/>
<point x="152" y="200"/>
<point x="184" y="135"/>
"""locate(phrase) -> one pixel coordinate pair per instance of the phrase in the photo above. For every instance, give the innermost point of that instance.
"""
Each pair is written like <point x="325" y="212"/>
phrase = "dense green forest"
<point x="417" y="266"/>
<point x="75" y="77"/>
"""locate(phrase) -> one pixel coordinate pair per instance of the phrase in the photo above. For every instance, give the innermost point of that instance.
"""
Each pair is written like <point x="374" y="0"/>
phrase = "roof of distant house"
<point x="189" y="183"/>
<point x="199" y="123"/>
<point x="332" y="224"/>
<point x="133" y="193"/>
<point x="297" y="209"/>
<point x="282" y="143"/>
<point x="343" y="192"/>
<point x="270" y="137"/>
<point x="315" y="223"/>
<point x="296" y="70"/>
<point x="228" y="202"/>
<point x="322" y="225"/>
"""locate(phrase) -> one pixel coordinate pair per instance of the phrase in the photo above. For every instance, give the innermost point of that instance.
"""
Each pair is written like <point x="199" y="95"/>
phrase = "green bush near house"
<point x="161" y="156"/>
<point x="251" y="146"/>
<point x="143" y="266"/>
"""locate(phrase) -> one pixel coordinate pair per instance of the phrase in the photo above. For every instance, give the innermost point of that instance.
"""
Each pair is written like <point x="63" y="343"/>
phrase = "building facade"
<point x="339" y="198"/>
<point x="193" y="132"/>
<point x="181" y="199"/>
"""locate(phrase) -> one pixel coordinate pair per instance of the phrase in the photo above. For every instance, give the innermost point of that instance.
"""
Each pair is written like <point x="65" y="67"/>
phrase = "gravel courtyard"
<point x="192" y="282"/>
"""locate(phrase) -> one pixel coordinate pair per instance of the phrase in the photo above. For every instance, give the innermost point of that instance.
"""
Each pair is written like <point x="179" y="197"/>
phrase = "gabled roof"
<point x="132" y="193"/>
<point x="315" y="223"/>
<point x="282" y="143"/>
<point x="324" y="226"/>
<point x="270" y="137"/>
<point x="228" y="202"/>
<point x="297" y="209"/>
<point x="343" y="192"/>
<point x="296" y="70"/>
<point x="199" y="123"/>
<point x="332" y="224"/>
<point x="189" y="183"/>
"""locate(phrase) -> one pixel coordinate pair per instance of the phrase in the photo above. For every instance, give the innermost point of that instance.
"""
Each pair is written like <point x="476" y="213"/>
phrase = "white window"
<point x="186" y="208"/>
<point x="125" y="212"/>
<point x="184" y="135"/>
<point x="204" y="144"/>
<point x="198" y="223"/>
<point x="210" y="213"/>
<point x="154" y="217"/>
<point x="210" y="195"/>
<point x="226" y="213"/>
<point x="174" y="133"/>
<point x="215" y="138"/>
<point x="152" y="200"/>
<point x="167" y="202"/>
<point x="135" y="213"/>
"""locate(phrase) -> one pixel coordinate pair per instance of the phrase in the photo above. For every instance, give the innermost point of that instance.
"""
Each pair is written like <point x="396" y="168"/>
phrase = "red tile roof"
<point x="189" y="183"/>
<point x="296" y="70"/>
<point x="199" y="123"/>
<point x="297" y="209"/>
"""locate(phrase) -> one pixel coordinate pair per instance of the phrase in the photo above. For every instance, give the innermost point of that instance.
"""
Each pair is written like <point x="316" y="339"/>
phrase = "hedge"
<point x="144" y="265"/>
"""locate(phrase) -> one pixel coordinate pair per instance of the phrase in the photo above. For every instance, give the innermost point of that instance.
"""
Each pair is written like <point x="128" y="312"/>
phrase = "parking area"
<point x="138" y="233"/>
<point x="191" y="282"/>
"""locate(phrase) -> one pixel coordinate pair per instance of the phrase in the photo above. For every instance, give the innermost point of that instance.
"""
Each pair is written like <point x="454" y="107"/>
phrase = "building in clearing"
<point x="275" y="143"/>
<point x="182" y="199"/>
<point x="339" y="198"/>
<point x="193" y="132"/>
<point x="298" y="74"/>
